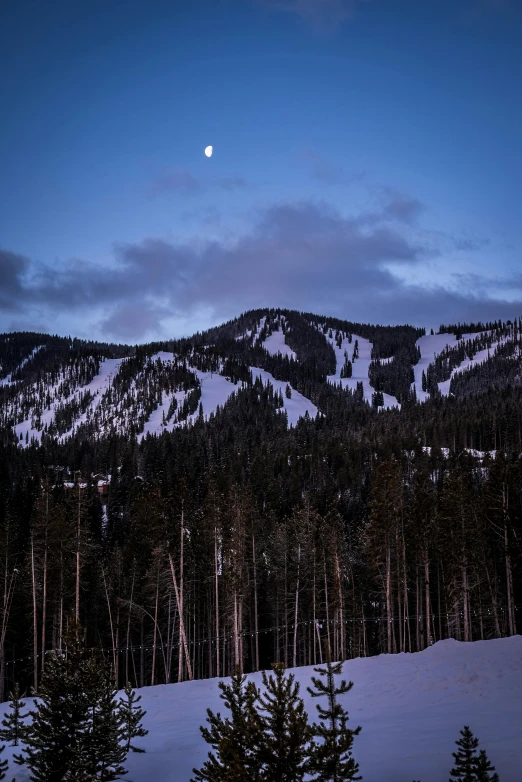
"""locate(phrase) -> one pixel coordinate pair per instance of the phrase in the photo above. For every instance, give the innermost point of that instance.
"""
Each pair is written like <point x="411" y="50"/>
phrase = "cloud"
<point x="401" y="207"/>
<point x="178" y="180"/>
<point x="322" y="15"/>
<point x="13" y="269"/>
<point x="305" y="255"/>
<point x="324" y="170"/>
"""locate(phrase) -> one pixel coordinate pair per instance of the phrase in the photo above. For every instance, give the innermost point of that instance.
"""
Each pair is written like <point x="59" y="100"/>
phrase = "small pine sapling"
<point x="236" y="740"/>
<point x="13" y="729"/>
<point x="131" y="716"/>
<point x="330" y="759"/>
<point x="286" y="729"/>
<point x="470" y="767"/>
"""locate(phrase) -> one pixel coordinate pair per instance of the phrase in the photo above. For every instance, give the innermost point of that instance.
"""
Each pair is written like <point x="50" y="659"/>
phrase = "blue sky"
<point x="367" y="162"/>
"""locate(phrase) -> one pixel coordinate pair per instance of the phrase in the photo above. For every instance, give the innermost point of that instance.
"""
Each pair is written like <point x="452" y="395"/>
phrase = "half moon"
<point x="208" y="151"/>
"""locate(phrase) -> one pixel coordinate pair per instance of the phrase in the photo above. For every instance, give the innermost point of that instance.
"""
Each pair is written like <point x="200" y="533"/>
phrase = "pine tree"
<point x="75" y="732"/>
<point x="4" y="765"/>
<point x="286" y="728"/>
<point x="330" y="759"/>
<point x="131" y="715"/>
<point x="235" y="739"/>
<point x="465" y="757"/>
<point x="13" y="729"/>
<point x="103" y="740"/>
<point x="55" y="738"/>
<point x="484" y="767"/>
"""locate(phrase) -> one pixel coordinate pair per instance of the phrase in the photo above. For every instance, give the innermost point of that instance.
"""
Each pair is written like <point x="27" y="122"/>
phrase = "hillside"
<point x="411" y="708"/>
<point x="62" y="388"/>
<point x="206" y="501"/>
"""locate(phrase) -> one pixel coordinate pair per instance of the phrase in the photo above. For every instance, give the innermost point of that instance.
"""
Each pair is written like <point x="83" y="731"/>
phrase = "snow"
<point x="297" y="406"/>
<point x="276" y="344"/>
<point x="434" y="344"/>
<point x="411" y="708"/>
<point x="154" y="424"/>
<point x="216" y="390"/>
<point x="6" y="381"/>
<point x="109" y="367"/>
<point x="360" y="368"/>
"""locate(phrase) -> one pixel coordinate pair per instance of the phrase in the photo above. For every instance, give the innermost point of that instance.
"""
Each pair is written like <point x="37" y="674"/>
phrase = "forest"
<point x="238" y="541"/>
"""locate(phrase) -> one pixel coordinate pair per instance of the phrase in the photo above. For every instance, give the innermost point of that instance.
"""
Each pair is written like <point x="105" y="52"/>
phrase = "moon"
<point x="208" y="151"/>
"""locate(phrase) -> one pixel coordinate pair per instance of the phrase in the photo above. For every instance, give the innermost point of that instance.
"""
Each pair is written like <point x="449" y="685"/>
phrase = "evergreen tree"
<point x="4" y="764"/>
<point x="288" y="391"/>
<point x="235" y="739"/>
<point x="75" y="732"/>
<point x="286" y="729"/>
<point x="55" y="738"/>
<point x="484" y="767"/>
<point x="330" y="758"/>
<point x="104" y="747"/>
<point x="131" y="715"/>
<point x="13" y="729"/>
<point x="465" y="768"/>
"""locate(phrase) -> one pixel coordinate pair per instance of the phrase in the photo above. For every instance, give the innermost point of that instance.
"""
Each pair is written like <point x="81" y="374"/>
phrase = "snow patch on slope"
<point x="7" y="381"/>
<point x="360" y="368"/>
<point x="297" y="406"/>
<point x="275" y="344"/>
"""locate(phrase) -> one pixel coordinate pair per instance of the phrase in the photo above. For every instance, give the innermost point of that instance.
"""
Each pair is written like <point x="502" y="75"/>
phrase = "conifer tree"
<point x="55" y="738"/>
<point x="286" y="729"/>
<point x="4" y="764"/>
<point x="330" y="758"/>
<point x="465" y="757"/>
<point x="13" y="728"/>
<point x="235" y="739"/>
<point x="103" y="740"/>
<point x="75" y="733"/>
<point x="484" y="767"/>
<point x="131" y="715"/>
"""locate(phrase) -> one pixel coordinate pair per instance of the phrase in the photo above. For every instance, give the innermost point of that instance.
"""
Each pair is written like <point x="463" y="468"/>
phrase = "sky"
<point x="367" y="162"/>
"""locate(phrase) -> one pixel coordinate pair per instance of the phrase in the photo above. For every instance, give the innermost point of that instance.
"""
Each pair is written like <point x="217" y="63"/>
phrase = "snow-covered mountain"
<point x="411" y="708"/>
<point x="58" y="388"/>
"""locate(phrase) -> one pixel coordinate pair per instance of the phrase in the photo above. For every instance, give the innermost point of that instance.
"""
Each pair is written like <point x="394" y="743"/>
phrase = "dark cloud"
<point x="401" y="207"/>
<point x="470" y="245"/>
<point x="13" y="268"/>
<point x="305" y="255"/>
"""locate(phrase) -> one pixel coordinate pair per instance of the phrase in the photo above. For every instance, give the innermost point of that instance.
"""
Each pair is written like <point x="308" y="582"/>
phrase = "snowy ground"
<point x="432" y="345"/>
<point x="276" y="344"/>
<point x="359" y="368"/>
<point x="296" y="406"/>
<point x="410" y="706"/>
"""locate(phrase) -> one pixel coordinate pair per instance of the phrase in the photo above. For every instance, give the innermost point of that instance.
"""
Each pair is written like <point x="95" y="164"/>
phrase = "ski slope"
<point x="433" y="344"/>
<point x="410" y="706"/>
<point x="360" y="368"/>
<point x="275" y="344"/>
<point x="296" y="406"/>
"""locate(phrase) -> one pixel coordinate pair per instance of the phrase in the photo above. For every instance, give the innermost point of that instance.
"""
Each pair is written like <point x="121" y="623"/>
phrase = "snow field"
<point x="411" y="708"/>
<point x="360" y="368"/>
<point x="297" y="406"/>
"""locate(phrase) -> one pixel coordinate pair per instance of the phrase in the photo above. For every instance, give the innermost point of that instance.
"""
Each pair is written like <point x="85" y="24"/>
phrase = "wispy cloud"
<point x="322" y="15"/>
<point x="306" y="255"/>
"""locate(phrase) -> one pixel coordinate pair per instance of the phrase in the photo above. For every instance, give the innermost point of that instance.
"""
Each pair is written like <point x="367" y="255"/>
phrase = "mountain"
<point x="216" y="500"/>
<point x="58" y="388"/>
